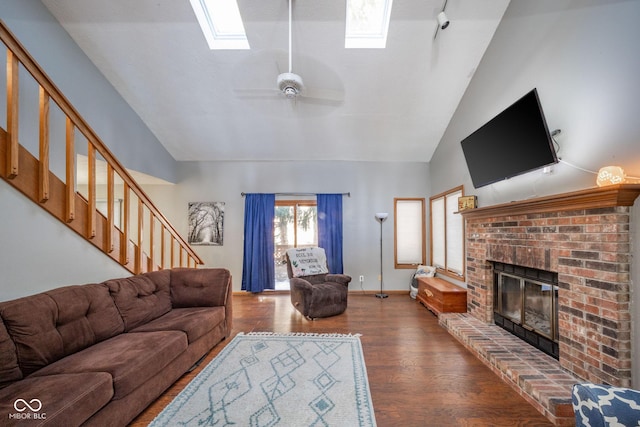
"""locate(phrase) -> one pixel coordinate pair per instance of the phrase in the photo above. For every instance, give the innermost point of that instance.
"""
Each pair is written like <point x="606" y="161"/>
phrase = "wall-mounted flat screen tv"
<point x="514" y="142"/>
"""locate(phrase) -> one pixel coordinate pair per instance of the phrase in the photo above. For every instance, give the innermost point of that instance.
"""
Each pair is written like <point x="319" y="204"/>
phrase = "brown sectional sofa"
<point x="99" y="354"/>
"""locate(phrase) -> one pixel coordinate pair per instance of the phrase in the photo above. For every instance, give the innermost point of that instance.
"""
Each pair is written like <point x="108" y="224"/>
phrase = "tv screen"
<point x="514" y="142"/>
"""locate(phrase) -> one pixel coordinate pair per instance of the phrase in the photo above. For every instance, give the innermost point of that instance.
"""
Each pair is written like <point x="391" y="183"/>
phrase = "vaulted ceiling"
<point x="394" y="104"/>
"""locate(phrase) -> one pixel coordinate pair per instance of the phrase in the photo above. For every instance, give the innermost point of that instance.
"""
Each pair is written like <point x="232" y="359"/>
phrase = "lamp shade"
<point x="381" y="216"/>
<point x="610" y="175"/>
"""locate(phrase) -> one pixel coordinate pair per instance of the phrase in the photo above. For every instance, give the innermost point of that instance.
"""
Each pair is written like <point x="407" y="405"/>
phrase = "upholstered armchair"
<point x="597" y="405"/>
<point x="314" y="291"/>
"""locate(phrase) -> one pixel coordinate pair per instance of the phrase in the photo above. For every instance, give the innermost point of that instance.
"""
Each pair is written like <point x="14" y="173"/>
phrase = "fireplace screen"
<point x="526" y="304"/>
<point x="510" y="298"/>
<point x="538" y="307"/>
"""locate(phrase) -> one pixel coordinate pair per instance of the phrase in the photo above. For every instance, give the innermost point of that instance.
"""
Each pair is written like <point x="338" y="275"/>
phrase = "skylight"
<point x="221" y="23"/>
<point x="367" y="23"/>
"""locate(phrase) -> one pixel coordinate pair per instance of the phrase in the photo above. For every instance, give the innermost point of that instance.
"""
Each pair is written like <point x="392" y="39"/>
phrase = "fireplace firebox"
<point x="526" y="304"/>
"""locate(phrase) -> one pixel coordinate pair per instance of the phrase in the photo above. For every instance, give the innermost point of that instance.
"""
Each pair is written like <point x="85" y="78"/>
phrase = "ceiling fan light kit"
<point x="290" y="84"/>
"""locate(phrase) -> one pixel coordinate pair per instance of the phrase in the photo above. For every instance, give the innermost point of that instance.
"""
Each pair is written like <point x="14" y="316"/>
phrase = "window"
<point x="409" y="227"/>
<point x="221" y="23"/>
<point x="447" y="234"/>
<point x="367" y="23"/>
<point x="295" y="225"/>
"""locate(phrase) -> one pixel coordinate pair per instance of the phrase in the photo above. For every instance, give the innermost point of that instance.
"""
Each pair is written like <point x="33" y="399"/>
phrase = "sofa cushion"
<point x="9" y="369"/>
<point x="195" y="322"/>
<point x="189" y="287"/>
<point x="141" y="298"/>
<point x="84" y="394"/>
<point x="130" y="358"/>
<point x="48" y="326"/>
<point x="86" y="315"/>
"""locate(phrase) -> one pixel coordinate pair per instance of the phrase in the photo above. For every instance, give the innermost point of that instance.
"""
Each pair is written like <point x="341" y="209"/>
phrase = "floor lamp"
<point x="381" y="216"/>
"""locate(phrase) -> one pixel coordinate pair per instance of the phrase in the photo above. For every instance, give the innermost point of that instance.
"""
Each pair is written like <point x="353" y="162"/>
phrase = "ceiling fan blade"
<point x="257" y="93"/>
<point x="323" y="94"/>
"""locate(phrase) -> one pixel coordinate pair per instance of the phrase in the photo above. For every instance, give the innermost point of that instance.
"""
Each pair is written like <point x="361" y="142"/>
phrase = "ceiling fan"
<point x="291" y="86"/>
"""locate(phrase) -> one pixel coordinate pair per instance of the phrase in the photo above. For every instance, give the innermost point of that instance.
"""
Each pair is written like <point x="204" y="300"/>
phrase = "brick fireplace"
<point x="584" y="237"/>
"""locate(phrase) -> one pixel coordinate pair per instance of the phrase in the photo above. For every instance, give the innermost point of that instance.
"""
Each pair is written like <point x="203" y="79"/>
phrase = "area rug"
<point x="266" y="379"/>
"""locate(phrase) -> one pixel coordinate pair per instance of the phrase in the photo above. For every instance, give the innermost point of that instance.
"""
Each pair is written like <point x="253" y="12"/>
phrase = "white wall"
<point x="583" y="58"/>
<point x="373" y="187"/>
<point x="120" y="128"/>
<point x="38" y="252"/>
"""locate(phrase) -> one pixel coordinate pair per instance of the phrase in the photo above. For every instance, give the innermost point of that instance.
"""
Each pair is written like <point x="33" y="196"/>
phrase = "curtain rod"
<point x="301" y="194"/>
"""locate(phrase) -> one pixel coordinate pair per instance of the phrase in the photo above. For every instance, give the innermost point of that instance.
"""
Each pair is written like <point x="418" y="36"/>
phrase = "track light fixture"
<point x="443" y="21"/>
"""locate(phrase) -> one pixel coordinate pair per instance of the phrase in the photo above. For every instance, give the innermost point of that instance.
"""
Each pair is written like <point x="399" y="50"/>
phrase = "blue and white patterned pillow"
<point x="597" y="405"/>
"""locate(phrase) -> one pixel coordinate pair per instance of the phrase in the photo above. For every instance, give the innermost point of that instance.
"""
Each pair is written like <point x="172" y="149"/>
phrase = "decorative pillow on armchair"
<point x="307" y="261"/>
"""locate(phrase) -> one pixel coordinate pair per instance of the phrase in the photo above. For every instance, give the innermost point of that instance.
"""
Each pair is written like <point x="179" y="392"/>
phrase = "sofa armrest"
<point x="301" y="285"/>
<point x="343" y="279"/>
<point x="300" y="292"/>
<point x="200" y="287"/>
<point x="203" y="287"/>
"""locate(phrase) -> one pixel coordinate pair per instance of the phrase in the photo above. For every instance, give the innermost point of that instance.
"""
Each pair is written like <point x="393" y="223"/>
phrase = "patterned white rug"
<point x="265" y="379"/>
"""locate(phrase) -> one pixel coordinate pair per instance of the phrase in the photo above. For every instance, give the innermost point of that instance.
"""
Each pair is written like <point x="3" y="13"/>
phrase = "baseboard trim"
<point x="351" y="292"/>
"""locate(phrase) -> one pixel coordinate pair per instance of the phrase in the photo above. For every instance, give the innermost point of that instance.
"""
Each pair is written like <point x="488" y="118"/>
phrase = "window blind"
<point x="410" y="233"/>
<point x="447" y="233"/>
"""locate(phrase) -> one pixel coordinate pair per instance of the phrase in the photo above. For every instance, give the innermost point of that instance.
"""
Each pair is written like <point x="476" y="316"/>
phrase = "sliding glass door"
<point x="295" y="226"/>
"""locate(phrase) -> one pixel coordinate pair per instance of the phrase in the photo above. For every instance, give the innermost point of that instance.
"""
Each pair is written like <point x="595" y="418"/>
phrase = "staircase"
<point x="101" y="202"/>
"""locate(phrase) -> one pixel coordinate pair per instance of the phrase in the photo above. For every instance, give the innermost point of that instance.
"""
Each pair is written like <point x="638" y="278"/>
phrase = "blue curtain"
<point x="258" y="270"/>
<point x="330" y="229"/>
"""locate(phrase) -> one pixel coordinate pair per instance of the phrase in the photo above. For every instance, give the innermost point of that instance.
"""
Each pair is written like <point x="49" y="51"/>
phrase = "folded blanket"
<point x="307" y="261"/>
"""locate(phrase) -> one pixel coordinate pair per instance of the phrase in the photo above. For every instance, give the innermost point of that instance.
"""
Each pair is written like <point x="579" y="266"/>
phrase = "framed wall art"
<point x="206" y="223"/>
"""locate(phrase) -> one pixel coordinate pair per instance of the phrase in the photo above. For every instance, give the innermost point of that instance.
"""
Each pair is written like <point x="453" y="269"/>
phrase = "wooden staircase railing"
<point x="141" y="225"/>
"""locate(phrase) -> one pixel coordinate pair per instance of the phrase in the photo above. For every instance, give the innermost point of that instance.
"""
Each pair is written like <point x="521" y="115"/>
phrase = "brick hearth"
<point x="537" y="377"/>
<point x="584" y="237"/>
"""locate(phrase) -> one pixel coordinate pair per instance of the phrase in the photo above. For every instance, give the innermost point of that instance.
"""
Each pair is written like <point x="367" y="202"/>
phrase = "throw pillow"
<point x="307" y="261"/>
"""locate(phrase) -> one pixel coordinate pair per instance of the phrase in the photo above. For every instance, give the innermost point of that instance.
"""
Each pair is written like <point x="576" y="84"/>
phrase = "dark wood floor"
<point x="418" y="374"/>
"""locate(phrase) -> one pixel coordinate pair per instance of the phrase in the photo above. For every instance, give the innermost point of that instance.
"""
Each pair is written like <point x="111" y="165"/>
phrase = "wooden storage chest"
<point x="441" y="296"/>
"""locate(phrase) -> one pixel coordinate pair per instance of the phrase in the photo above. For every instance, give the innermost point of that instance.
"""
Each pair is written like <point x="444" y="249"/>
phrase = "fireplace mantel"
<point x="592" y="198"/>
